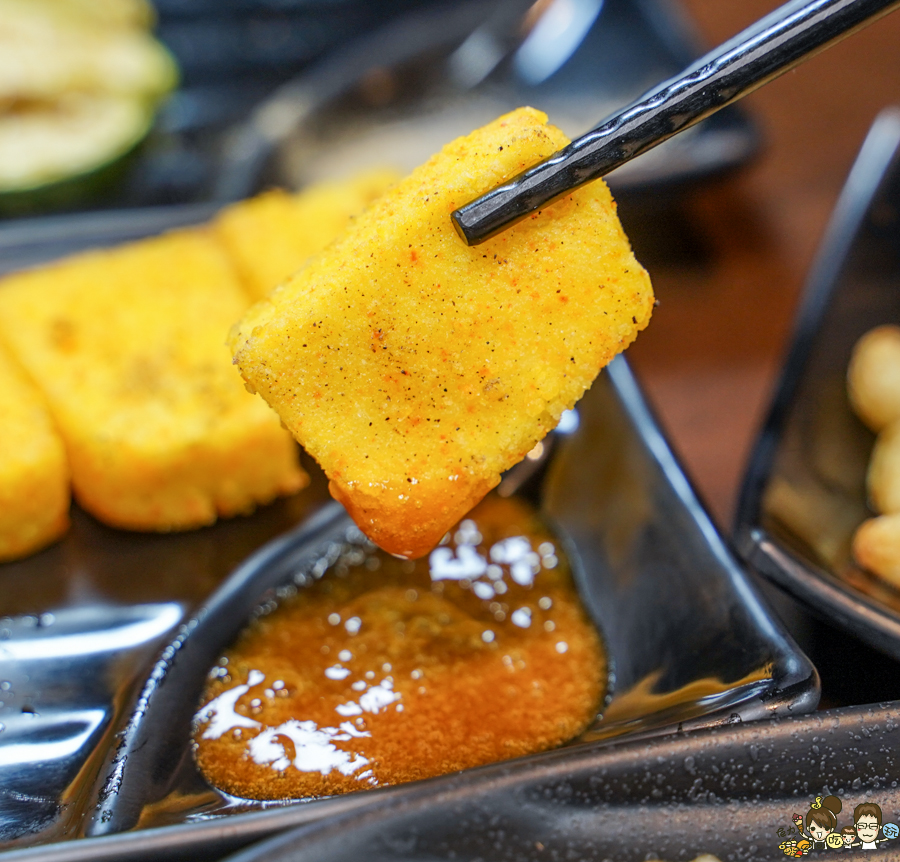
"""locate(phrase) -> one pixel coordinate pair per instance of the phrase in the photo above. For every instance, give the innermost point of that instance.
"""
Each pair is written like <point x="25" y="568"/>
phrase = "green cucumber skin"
<point x="78" y="190"/>
<point x="70" y="193"/>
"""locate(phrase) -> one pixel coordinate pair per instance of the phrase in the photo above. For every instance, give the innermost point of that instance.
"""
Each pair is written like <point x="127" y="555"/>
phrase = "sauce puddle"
<point x="381" y="671"/>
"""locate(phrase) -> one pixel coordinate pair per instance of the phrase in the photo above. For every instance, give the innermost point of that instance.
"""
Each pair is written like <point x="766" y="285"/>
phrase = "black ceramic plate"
<point x="804" y="492"/>
<point x="690" y="641"/>
<point x="731" y="792"/>
<point x="397" y="95"/>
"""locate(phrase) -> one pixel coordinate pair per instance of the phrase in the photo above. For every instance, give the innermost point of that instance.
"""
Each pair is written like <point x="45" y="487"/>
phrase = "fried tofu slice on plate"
<point x="127" y="346"/>
<point x="270" y="236"/>
<point x="416" y="369"/>
<point x="34" y="473"/>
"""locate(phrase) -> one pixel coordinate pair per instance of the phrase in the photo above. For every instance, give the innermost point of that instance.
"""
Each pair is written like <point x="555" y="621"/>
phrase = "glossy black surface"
<point x="689" y="643"/>
<point x="760" y="53"/>
<point x="804" y="492"/>
<point x="399" y="94"/>
<point x="725" y="791"/>
<point x="61" y="677"/>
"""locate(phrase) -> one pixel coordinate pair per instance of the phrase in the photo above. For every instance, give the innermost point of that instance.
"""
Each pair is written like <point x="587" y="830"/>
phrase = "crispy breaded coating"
<point x="416" y="369"/>
<point x="34" y="474"/>
<point x="270" y="236"/>
<point x="127" y="346"/>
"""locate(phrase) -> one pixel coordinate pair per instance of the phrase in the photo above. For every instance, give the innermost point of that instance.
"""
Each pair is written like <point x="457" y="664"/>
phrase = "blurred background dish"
<point x="579" y="58"/>
<point x="226" y="57"/>
<point x="805" y="490"/>
<point x="401" y="92"/>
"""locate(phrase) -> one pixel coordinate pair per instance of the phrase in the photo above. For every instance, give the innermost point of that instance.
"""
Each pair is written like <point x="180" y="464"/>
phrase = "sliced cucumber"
<point x="79" y="84"/>
<point x="47" y="142"/>
<point x="41" y="60"/>
<point x="136" y="14"/>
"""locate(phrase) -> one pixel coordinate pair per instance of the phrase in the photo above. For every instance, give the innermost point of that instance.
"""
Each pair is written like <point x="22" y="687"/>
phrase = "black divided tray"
<point x="96" y="738"/>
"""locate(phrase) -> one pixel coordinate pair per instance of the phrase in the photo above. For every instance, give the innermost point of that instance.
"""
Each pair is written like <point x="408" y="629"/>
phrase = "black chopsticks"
<point x="774" y="44"/>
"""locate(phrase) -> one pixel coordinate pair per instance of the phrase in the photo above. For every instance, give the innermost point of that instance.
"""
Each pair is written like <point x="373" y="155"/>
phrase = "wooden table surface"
<point x="728" y="268"/>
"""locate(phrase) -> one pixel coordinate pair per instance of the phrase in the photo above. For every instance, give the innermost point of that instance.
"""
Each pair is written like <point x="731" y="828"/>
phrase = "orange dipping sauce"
<point x="383" y="671"/>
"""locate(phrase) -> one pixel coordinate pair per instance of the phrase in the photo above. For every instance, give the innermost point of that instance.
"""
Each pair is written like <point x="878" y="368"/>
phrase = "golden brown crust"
<point x="34" y="473"/>
<point x="404" y="525"/>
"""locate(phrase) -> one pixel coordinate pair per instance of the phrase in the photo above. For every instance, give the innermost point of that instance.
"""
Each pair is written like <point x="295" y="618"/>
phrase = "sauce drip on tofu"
<point x="380" y="671"/>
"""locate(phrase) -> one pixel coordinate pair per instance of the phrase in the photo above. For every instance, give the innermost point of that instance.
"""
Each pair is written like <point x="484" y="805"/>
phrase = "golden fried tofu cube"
<point x="34" y="474"/>
<point x="269" y="237"/>
<point x="128" y="348"/>
<point x="416" y="369"/>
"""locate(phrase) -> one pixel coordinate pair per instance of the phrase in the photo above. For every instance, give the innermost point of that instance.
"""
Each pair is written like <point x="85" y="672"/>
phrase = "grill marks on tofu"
<point x="416" y="369"/>
<point x="127" y="346"/>
<point x="34" y="473"/>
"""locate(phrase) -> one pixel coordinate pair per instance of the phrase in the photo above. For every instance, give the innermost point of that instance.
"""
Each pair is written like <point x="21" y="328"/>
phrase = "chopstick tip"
<point x="457" y="217"/>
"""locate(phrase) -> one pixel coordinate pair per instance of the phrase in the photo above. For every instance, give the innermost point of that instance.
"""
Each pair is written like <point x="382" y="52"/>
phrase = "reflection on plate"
<point x="60" y="676"/>
<point x="804" y="493"/>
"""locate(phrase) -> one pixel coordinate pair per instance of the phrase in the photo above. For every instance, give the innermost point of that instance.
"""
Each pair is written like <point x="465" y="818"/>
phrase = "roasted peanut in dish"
<point x="873" y="383"/>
